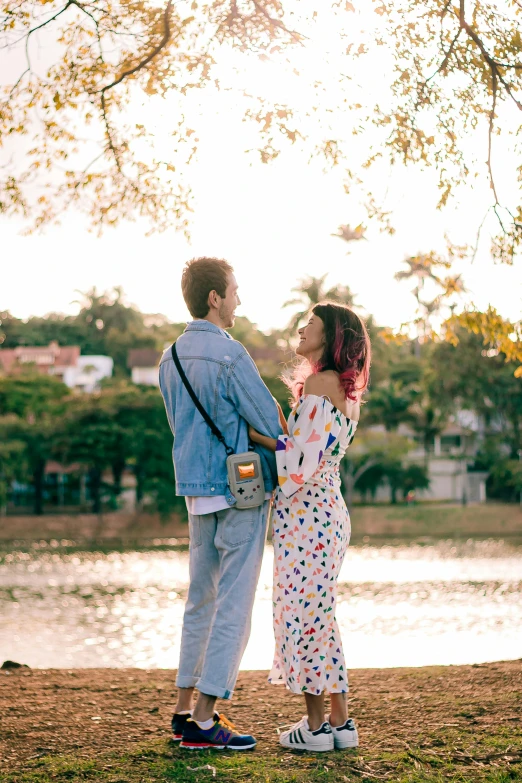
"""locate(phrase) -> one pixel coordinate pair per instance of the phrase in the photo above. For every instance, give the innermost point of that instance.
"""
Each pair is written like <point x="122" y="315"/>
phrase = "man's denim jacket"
<point x="229" y="387"/>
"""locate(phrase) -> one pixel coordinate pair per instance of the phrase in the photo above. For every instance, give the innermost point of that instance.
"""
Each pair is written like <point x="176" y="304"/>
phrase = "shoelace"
<point x="297" y="725"/>
<point x="226" y="722"/>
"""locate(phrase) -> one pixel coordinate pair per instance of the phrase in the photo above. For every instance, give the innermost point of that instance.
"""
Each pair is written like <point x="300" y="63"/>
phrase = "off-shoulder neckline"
<point x="334" y="407"/>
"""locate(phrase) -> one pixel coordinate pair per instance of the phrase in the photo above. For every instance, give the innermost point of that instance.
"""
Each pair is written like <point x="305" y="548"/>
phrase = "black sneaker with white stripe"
<point x="299" y="737"/>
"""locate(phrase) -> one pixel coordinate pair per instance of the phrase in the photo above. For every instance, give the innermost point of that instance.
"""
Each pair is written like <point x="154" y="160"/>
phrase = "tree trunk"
<point x="140" y="484"/>
<point x="350" y="479"/>
<point x="96" y="482"/>
<point x="38" y="483"/>
<point x="517" y="440"/>
<point x="393" y="490"/>
<point x="117" y="473"/>
<point x="426" y="441"/>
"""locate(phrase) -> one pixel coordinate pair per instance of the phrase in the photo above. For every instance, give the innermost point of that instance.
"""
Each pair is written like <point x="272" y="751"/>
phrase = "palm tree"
<point x="310" y="291"/>
<point x="371" y="450"/>
<point x="428" y="421"/>
<point x="424" y="268"/>
<point x="391" y="405"/>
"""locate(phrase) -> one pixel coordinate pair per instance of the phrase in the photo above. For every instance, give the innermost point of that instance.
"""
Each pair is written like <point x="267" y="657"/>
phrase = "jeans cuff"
<point x="213" y="690"/>
<point x="186" y="681"/>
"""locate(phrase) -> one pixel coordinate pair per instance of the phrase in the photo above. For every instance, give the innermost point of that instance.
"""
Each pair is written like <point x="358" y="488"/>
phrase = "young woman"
<point x="311" y="525"/>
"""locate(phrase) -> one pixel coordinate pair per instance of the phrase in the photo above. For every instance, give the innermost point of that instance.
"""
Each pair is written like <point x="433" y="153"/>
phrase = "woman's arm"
<point x="262" y="440"/>
<point x="298" y="455"/>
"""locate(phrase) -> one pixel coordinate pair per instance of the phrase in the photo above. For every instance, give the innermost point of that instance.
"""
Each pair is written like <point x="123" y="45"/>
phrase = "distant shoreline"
<point x="369" y="523"/>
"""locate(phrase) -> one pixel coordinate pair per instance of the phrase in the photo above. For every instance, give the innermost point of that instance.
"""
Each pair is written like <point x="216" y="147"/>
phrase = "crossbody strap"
<point x="199" y="406"/>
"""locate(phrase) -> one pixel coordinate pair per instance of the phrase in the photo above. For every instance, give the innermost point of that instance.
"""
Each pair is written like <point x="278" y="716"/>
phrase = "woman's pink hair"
<point x="347" y="351"/>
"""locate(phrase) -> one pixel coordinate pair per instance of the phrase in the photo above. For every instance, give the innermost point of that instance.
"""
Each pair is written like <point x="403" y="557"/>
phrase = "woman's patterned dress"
<point x="311" y="531"/>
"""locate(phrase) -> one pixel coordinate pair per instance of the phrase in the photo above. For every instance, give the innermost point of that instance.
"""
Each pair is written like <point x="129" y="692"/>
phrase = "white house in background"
<point x="448" y="459"/>
<point x="88" y="372"/>
<point x="144" y="366"/>
<point x="62" y="361"/>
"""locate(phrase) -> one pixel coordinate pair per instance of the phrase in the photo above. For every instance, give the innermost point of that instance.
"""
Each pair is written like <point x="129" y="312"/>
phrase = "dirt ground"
<point x="88" y="713"/>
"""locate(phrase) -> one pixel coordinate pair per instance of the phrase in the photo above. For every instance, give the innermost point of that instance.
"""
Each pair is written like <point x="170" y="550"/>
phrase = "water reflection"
<point x="400" y="605"/>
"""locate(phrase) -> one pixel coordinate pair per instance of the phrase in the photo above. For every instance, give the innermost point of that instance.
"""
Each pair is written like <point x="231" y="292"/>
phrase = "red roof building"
<point x="52" y="359"/>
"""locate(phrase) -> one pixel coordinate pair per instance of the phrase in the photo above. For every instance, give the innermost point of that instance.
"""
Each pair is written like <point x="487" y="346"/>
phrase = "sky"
<point x="272" y="222"/>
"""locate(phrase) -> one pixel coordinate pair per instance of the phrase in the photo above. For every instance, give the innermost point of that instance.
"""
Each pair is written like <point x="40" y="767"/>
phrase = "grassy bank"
<point x="369" y="523"/>
<point x="416" y="726"/>
<point x="489" y="520"/>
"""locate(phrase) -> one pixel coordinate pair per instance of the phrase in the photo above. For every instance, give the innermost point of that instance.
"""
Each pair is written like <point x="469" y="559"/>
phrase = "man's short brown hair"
<point x="200" y="277"/>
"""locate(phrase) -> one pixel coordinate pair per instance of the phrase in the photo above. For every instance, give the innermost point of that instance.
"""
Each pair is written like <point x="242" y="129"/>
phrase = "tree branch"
<point x="490" y="133"/>
<point x="142" y="64"/>
<point x="276" y="22"/>
<point x="445" y="60"/>
<point x="477" y="240"/>
<point x="164" y="41"/>
<point x="355" y="476"/>
<point x="493" y="64"/>
<point x="27" y="35"/>
<point x="27" y="70"/>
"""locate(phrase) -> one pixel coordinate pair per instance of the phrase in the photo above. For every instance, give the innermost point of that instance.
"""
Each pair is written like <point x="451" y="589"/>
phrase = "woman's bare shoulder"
<point x="322" y="384"/>
<point x="326" y="384"/>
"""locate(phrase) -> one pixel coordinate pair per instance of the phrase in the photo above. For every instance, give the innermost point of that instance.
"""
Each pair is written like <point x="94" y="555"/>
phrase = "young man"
<point x="226" y="544"/>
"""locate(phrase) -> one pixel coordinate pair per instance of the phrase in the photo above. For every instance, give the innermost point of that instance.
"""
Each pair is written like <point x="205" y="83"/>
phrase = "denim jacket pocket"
<point x="238" y="526"/>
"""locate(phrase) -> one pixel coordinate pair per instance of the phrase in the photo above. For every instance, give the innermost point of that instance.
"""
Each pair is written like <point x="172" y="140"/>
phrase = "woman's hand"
<point x="282" y="419"/>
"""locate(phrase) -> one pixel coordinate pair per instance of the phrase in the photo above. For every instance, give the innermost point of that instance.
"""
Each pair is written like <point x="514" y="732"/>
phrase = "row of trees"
<point x="123" y="426"/>
<point x="106" y="324"/>
<point x="421" y="383"/>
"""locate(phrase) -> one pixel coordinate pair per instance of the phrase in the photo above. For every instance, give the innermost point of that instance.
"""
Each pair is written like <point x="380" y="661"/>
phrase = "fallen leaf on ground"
<point x="206" y="766"/>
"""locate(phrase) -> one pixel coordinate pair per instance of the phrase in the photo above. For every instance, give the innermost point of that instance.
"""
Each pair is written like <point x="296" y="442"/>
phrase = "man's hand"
<point x="253" y="434"/>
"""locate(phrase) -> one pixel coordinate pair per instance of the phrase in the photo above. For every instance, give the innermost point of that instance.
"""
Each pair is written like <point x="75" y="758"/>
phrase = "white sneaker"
<point x="345" y="736"/>
<point x="299" y="737"/>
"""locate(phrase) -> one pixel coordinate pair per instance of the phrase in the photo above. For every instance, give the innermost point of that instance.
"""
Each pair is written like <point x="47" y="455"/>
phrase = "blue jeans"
<point x="226" y="549"/>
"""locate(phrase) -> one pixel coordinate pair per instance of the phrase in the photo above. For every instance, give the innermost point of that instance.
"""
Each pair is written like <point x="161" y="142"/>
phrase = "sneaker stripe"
<point x="300" y="735"/>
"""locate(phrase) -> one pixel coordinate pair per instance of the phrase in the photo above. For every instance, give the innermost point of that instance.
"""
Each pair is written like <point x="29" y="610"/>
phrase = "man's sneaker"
<point x="221" y="736"/>
<point x="299" y="737"/>
<point x="178" y="724"/>
<point x="345" y="736"/>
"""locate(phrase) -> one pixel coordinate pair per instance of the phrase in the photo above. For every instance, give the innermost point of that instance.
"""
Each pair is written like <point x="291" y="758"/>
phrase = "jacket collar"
<point x="206" y="326"/>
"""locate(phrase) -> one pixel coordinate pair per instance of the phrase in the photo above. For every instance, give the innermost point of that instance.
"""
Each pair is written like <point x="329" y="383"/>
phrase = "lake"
<point x="400" y="604"/>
